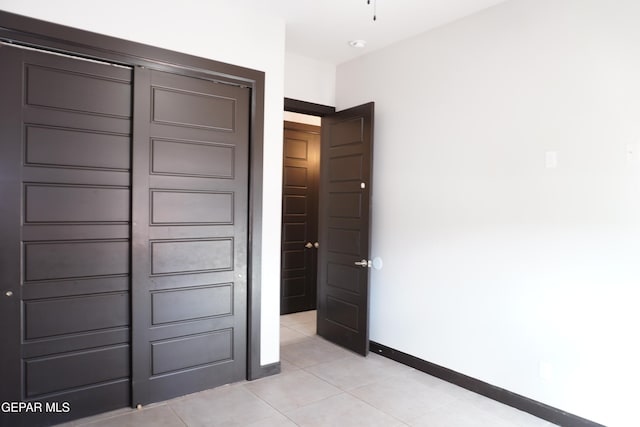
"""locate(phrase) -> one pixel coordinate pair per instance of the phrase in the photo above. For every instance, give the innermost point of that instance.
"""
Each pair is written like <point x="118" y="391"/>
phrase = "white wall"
<point x="217" y="30"/>
<point x="309" y="80"/>
<point x="494" y="264"/>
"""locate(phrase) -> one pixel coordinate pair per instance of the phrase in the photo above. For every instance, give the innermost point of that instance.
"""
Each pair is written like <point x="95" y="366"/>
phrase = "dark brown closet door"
<point x="190" y="207"/>
<point x="64" y="234"/>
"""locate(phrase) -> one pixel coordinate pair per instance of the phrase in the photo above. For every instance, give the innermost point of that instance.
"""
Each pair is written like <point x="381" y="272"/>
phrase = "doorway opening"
<point x="336" y="250"/>
<point x="301" y="320"/>
<point x="300" y="181"/>
<point x="299" y="247"/>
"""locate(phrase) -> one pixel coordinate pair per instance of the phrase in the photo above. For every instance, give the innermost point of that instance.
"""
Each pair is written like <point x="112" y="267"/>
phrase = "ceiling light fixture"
<point x="358" y="43"/>
<point x="375" y="4"/>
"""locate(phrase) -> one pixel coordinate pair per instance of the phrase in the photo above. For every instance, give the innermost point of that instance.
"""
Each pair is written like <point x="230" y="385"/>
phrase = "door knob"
<point x="309" y="245"/>
<point x="9" y="293"/>
<point x="316" y="245"/>
<point x="364" y="263"/>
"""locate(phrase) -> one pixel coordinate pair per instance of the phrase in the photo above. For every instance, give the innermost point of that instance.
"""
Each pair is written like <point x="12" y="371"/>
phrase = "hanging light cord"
<point x="375" y="13"/>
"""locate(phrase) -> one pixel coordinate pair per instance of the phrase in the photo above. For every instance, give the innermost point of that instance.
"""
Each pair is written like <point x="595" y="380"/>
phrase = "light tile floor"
<point x="324" y="385"/>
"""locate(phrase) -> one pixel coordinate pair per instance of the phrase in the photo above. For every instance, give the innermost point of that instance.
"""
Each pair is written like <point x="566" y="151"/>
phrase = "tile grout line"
<point x="177" y="415"/>
<point x="271" y="406"/>
<point x="343" y="391"/>
<point x="378" y="409"/>
<point x="101" y="419"/>
<point x="349" y="391"/>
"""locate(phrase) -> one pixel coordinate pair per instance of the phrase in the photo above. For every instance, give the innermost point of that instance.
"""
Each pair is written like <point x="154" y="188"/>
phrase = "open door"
<point x="344" y="218"/>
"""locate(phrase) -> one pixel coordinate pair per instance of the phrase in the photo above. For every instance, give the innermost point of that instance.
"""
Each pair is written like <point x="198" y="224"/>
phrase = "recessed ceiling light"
<point x="358" y="43"/>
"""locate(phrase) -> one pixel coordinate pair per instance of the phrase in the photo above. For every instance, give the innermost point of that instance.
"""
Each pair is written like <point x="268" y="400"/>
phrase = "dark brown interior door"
<point x="65" y="141"/>
<point x="344" y="218"/>
<point x="190" y="219"/>
<point x="301" y="167"/>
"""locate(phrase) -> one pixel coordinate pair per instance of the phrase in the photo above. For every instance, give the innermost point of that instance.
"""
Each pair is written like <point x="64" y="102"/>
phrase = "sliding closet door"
<point x="190" y="205"/>
<point x="123" y="234"/>
<point x="64" y="234"/>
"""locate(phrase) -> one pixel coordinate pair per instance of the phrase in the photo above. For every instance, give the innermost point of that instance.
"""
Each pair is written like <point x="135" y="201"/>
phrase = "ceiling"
<point x="321" y="29"/>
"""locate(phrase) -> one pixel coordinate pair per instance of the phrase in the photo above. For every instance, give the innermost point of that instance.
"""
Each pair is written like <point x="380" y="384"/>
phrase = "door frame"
<point x="304" y="107"/>
<point x="35" y="33"/>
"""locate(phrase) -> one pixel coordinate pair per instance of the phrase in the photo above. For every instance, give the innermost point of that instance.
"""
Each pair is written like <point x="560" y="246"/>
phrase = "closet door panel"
<point x="65" y="233"/>
<point x="190" y="205"/>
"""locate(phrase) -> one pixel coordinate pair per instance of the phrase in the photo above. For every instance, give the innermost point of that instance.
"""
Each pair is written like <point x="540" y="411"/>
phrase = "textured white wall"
<point x="307" y="79"/>
<point x="218" y="30"/>
<point x="494" y="265"/>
